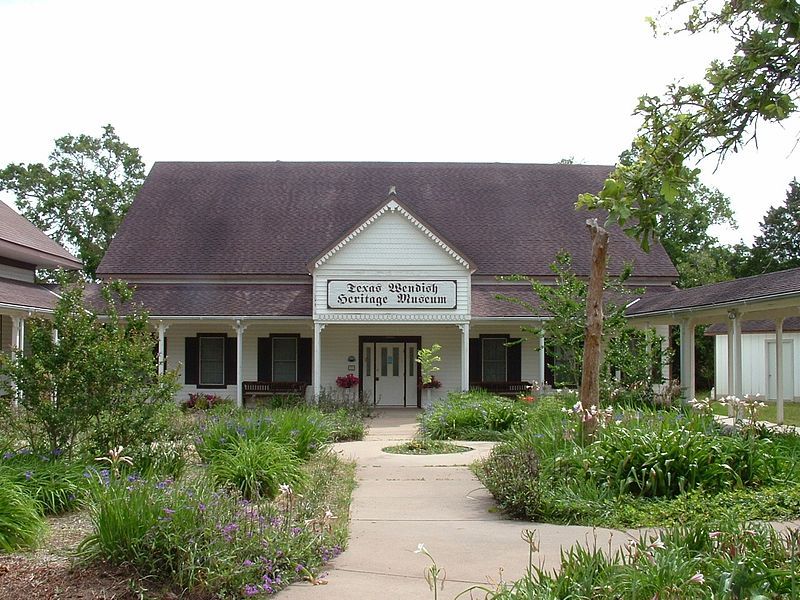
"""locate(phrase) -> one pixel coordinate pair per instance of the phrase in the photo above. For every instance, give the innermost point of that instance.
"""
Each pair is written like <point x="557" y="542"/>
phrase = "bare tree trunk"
<point x="592" y="348"/>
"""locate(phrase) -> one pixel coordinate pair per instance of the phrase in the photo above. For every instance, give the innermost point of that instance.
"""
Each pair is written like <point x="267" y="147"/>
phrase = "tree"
<point x="635" y="353"/>
<point x="92" y="387"/>
<point x="80" y="197"/>
<point x="759" y="82"/>
<point x="778" y="246"/>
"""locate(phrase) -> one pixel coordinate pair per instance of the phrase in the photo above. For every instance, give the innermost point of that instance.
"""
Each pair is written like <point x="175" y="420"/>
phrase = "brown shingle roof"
<point x="272" y="218"/>
<point x="25" y="242"/>
<point x="26" y="295"/>
<point x="781" y="283"/>
<point x="218" y="300"/>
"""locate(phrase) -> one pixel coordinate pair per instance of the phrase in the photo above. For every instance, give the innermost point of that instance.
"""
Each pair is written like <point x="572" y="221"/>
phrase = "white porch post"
<point x="317" y="353"/>
<point x="240" y="327"/>
<point x="737" y="356"/>
<point x="687" y="359"/>
<point x="779" y="368"/>
<point x="541" y="361"/>
<point x="464" y="327"/>
<point x="17" y="325"/>
<point x="731" y="361"/>
<point x="162" y="330"/>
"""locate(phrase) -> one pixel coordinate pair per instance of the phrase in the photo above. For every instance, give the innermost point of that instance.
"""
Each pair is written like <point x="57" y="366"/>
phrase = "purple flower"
<point x="247" y="562"/>
<point x="28" y="474"/>
<point x="299" y="568"/>
<point x="58" y="452"/>
<point x="296" y="531"/>
<point x="201" y="507"/>
<point x="169" y="511"/>
<point x="8" y="455"/>
<point x="251" y="590"/>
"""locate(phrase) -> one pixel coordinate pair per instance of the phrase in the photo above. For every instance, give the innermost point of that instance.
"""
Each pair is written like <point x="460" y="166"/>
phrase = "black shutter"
<point x="475" y="360"/>
<point x="304" y="360"/>
<point x="191" y="362"/>
<point x="264" y="359"/>
<point x="514" y="360"/>
<point x="230" y="361"/>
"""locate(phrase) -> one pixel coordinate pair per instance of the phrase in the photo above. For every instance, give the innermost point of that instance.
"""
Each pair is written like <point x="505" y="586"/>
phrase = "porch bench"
<point x="511" y="389"/>
<point x="251" y="390"/>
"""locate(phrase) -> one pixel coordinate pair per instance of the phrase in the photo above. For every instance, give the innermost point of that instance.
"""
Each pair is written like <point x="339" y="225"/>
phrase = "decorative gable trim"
<point x="394" y="206"/>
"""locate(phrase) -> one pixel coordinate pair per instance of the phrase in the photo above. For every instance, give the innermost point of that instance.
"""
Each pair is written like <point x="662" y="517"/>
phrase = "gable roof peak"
<point x="393" y="205"/>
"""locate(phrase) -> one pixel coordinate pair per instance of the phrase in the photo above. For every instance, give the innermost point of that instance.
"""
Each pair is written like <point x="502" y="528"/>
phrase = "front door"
<point x="389" y="370"/>
<point x="787" y="372"/>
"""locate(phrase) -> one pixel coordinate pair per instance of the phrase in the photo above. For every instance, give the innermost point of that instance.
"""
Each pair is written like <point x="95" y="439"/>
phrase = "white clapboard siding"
<point x="392" y="247"/>
<point x="754" y="365"/>
<point x="176" y="346"/>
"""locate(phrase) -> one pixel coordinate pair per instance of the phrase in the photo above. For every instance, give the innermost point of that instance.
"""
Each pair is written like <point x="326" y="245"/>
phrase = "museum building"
<point x="272" y="277"/>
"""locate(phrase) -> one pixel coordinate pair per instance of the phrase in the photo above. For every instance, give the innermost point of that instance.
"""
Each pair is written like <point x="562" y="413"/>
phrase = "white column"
<point x="779" y="368"/>
<point x="464" y="327"/>
<point x="541" y="361"/>
<point x="162" y="330"/>
<point x="687" y="359"/>
<point x="240" y="327"/>
<point x="316" y="351"/>
<point x="731" y="361"/>
<point x="737" y="356"/>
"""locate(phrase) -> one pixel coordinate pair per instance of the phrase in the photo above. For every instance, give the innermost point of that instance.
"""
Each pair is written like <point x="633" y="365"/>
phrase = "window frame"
<point x="210" y="386"/>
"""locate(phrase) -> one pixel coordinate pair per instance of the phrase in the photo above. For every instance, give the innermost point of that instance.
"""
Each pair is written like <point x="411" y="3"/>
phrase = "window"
<point x="494" y="359"/>
<point x="284" y="359"/>
<point x="212" y="360"/>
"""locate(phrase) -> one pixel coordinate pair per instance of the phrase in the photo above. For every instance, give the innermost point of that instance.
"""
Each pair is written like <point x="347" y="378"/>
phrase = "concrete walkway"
<point x="402" y="501"/>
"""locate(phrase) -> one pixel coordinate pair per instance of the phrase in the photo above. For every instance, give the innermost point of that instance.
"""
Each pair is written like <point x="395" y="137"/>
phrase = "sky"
<point x="434" y="80"/>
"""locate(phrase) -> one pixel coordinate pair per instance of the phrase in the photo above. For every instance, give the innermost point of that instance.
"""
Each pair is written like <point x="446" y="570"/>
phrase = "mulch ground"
<point x="51" y="574"/>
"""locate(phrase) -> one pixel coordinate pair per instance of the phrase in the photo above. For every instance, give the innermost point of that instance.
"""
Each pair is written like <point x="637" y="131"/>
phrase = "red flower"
<point x="348" y="381"/>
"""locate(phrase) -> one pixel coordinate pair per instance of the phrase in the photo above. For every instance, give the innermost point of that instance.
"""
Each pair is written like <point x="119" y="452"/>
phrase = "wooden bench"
<point x="267" y="389"/>
<point x="511" y="389"/>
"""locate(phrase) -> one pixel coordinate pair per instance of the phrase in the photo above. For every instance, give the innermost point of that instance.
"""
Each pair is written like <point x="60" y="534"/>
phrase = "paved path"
<point x="402" y="501"/>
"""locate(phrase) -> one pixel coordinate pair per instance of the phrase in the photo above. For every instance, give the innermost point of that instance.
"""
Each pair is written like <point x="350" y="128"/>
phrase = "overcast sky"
<point x="432" y="80"/>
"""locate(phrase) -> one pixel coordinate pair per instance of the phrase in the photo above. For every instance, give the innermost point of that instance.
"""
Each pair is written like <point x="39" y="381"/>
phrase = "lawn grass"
<point x="791" y="412"/>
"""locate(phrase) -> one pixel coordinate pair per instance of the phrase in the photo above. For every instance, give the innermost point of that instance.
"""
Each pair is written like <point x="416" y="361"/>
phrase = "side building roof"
<point x="273" y="218"/>
<point x="22" y="241"/>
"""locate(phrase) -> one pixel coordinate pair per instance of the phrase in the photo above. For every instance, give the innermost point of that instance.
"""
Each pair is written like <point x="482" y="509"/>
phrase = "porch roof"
<point x="219" y="299"/>
<point x="759" y="296"/>
<point x="26" y="296"/>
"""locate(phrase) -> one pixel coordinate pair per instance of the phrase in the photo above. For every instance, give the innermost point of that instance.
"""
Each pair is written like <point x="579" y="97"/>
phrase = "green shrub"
<point x="304" y="430"/>
<point x="346" y="426"/>
<point x="57" y="484"/>
<point x="475" y="415"/>
<point x="511" y="474"/>
<point x="735" y="561"/>
<point x="669" y="461"/>
<point x="206" y="543"/>
<point x="21" y="522"/>
<point x="257" y="467"/>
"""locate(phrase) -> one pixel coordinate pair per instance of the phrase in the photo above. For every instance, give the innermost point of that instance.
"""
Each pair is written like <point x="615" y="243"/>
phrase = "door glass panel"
<point x="396" y="361"/>
<point x="367" y="361"/>
<point x="412" y="361"/>
<point x="384" y="361"/>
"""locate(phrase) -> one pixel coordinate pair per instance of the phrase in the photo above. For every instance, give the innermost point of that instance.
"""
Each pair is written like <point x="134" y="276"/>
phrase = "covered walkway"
<point x="774" y="297"/>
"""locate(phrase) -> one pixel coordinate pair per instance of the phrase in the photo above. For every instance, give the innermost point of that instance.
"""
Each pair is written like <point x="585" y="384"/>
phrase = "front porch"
<point x="244" y="358"/>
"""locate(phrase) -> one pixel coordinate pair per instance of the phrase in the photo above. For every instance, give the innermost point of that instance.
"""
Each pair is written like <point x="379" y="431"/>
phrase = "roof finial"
<point x="392" y="191"/>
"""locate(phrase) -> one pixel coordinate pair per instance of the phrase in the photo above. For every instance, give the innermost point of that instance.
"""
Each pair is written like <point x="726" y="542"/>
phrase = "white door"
<point x="390" y="374"/>
<point x="787" y="372"/>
